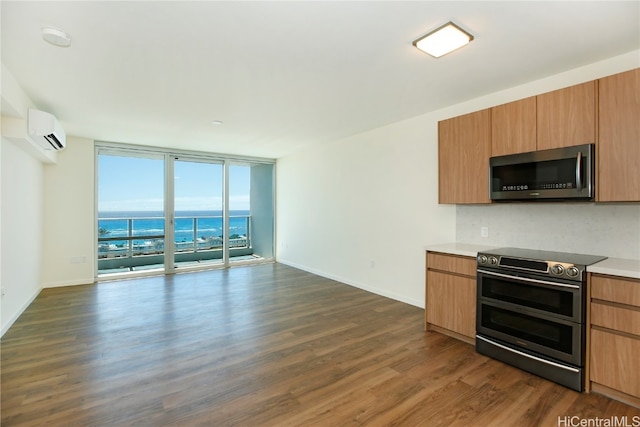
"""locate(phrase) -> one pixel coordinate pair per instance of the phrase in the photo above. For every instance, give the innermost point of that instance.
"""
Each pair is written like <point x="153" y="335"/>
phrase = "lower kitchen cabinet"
<point x="615" y="362"/>
<point x="615" y="338"/>
<point x="450" y="306"/>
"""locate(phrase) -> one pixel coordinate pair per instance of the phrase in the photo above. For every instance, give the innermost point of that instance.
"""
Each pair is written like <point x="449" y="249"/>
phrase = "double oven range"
<point x="531" y="310"/>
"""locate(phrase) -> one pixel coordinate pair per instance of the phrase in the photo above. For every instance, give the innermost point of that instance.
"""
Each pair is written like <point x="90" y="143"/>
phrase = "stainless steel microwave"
<point x="558" y="174"/>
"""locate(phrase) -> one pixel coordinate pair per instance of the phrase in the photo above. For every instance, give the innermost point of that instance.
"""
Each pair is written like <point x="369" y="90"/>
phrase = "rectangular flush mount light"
<point x="443" y="40"/>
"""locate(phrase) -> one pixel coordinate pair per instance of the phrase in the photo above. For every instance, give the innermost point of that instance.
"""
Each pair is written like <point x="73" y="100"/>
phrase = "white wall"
<point x="22" y="228"/>
<point x="362" y="209"/>
<point x="69" y="223"/>
<point x="47" y="223"/>
<point x="2" y="330"/>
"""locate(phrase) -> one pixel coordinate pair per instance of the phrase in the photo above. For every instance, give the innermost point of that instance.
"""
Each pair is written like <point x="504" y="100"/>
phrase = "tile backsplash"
<point x="611" y="230"/>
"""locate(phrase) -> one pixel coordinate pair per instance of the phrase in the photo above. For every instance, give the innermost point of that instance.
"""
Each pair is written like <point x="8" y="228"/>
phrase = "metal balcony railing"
<point x="144" y="236"/>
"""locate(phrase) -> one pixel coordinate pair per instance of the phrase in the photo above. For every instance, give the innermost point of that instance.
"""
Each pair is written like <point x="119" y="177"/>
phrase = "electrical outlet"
<point x="484" y="231"/>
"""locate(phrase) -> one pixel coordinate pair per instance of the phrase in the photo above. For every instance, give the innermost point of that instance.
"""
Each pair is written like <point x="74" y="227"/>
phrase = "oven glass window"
<point x="533" y="329"/>
<point x="558" y="301"/>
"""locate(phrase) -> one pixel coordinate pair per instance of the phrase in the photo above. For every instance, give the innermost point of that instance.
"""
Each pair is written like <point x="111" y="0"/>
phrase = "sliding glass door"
<point x="161" y="211"/>
<point x="198" y="214"/>
<point x="131" y="216"/>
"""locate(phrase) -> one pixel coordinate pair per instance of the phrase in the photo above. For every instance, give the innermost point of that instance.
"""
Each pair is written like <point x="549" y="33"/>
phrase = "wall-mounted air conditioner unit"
<point x="45" y="130"/>
<point x="40" y="134"/>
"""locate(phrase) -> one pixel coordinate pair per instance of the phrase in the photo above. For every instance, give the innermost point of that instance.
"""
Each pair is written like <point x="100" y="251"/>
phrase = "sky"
<point x="137" y="184"/>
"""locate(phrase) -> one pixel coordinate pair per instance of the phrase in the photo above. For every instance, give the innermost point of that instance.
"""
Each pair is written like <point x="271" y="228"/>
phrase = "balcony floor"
<point x="190" y="264"/>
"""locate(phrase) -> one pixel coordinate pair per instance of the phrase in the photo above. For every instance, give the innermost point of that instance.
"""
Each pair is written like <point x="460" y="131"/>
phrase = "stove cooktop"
<point x="560" y="265"/>
<point x="549" y="256"/>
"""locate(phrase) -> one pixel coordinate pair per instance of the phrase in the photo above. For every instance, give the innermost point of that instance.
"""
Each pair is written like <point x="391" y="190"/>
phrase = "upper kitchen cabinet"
<point x="618" y="153"/>
<point x="513" y="127"/>
<point x="561" y="118"/>
<point x="567" y="117"/>
<point x="464" y="148"/>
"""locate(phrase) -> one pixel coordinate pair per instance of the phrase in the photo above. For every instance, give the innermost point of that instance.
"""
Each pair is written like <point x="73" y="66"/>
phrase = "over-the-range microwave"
<point x="558" y="174"/>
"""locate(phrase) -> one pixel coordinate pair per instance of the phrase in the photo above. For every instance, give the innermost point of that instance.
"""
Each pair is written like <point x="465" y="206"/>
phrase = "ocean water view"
<point x="208" y="224"/>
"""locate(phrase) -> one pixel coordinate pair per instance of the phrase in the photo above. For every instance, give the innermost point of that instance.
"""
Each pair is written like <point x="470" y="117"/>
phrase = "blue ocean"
<point x="188" y="224"/>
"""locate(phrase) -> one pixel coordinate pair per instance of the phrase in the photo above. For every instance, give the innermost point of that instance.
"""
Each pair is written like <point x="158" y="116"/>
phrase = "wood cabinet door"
<point x="567" y="117"/>
<point x="451" y="302"/>
<point x="618" y="153"/>
<point x="464" y="148"/>
<point x="513" y="127"/>
<point x="614" y="361"/>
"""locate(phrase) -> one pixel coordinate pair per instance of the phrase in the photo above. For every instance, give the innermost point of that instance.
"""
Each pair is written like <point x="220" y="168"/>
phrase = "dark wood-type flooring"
<point x="265" y="345"/>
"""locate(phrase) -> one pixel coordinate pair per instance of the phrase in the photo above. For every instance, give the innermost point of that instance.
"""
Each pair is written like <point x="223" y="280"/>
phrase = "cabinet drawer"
<point x="614" y="362"/>
<point x="451" y="263"/>
<point x="618" y="318"/>
<point x="623" y="291"/>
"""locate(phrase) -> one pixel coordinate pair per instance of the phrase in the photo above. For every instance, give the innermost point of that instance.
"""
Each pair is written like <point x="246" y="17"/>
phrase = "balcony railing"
<point x="128" y="242"/>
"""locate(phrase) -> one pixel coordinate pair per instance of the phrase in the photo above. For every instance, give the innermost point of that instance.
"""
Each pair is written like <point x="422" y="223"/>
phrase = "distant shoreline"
<point x="189" y="225"/>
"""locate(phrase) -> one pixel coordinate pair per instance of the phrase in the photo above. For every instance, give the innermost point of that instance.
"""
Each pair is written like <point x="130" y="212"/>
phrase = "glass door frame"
<point x="121" y="149"/>
<point x="170" y="211"/>
<point x="169" y="215"/>
<point x="131" y="152"/>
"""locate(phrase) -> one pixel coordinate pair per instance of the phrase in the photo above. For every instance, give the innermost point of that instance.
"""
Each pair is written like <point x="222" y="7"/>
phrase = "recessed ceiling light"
<point x="443" y="40"/>
<point x="56" y="37"/>
<point x="216" y="122"/>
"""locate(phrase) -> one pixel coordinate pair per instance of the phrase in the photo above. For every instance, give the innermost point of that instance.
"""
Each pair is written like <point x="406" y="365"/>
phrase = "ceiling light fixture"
<point x="216" y="122"/>
<point x="443" y="40"/>
<point x="56" y="37"/>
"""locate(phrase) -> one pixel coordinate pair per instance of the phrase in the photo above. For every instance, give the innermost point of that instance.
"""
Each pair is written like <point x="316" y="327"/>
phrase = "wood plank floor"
<point x="265" y="345"/>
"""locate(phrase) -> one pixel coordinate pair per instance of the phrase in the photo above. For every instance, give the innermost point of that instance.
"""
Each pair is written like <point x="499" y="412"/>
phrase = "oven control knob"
<point x="557" y="269"/>
<point x="482" y="259"/>
<point x="573" y="272"/>
<point x="493" y="260"/>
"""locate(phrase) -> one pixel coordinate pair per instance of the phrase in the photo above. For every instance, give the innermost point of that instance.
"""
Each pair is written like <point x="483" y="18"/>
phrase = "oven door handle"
<point x="525" y="279"/>
<point x="548" y="362"/>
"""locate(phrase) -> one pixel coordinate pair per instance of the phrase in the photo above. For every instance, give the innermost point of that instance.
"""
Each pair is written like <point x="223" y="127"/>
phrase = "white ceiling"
<point x="282" y="75"/>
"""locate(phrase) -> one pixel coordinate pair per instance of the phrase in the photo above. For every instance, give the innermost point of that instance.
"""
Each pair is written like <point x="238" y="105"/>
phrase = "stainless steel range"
<point x="531" y="311"/>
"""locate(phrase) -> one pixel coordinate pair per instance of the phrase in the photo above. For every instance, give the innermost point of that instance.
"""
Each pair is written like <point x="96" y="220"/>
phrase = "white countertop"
<point x="464" y="249"/>
<point x="617" y="267"/>
<point x="611" y="266"/>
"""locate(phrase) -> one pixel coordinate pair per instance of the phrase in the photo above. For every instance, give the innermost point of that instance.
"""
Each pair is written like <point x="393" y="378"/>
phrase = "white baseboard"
<point x="68" y="283"/>
<point x="372" y="289"/>
<point x="15" y="317"/>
